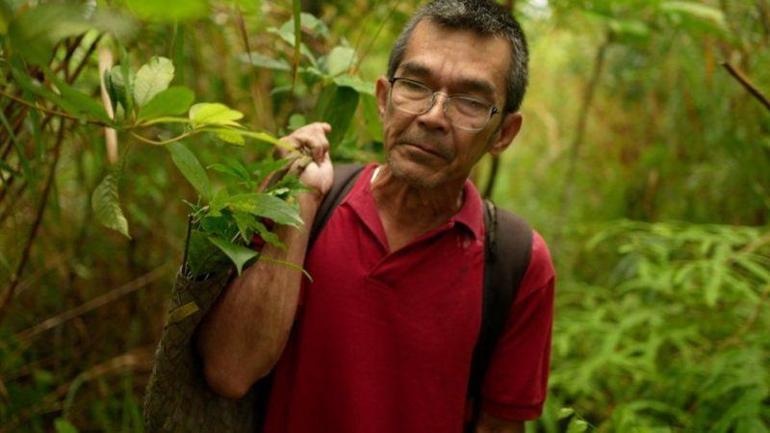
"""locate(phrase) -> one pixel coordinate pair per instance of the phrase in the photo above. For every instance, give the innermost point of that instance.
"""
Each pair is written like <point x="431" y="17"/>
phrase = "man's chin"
<point x="414" y="174"/>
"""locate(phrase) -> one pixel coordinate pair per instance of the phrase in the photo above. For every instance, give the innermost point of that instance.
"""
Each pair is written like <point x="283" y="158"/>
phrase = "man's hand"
<point x="311" y="140"/>
<point x="489" y="424"/>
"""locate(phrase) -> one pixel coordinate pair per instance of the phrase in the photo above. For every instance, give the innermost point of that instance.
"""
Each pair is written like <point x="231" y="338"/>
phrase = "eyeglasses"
<point x="464" y="112"/>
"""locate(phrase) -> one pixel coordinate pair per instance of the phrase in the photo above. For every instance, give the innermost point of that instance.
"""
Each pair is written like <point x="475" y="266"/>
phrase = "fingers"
<point x="311" y="140"/>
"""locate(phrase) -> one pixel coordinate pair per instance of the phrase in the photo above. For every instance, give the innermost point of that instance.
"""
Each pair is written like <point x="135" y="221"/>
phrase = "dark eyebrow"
<point x="469" y="85"/>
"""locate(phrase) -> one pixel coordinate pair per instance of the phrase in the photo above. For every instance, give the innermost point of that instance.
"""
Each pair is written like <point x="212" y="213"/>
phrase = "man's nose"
<point x="436" y="116"/>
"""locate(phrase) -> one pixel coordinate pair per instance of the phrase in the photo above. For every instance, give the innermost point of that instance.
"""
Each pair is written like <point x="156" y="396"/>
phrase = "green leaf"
<point x="61" y="425"/>
<point x="337" y="106"/>
<point x="239" y="254"/>
<point x="222" y="168"/>
<point x="696" y="11"/>
<point x="234" y="167"/>
<point x="309" y="23"/>
<point x="202" y="256"/>
<point x="577" y="426"/>
<point x="245" y="225"/>
<point x="151" y="79"/>
<point x="218" y="202"/>
<point x="263" y="61"/>
<point x="632" y="28"/>
<point x="118" y="87"/>
<point x="287" y="183"/>
<point x="263" y="137"/>
<point x="34" y="33"/>
<point x="566" y="412"/>
<point x="371" y="115"/>
<point x="6" y="15"/>
<point x="36" y="30"/>
<point x="360" y="86"/>
<point x="106" y="206"/>
<point x="296" y="121"/>
<point x="116" y="23"/>
<point x="169" y="10"/>
<point x="205" y="114"/>
<point x="248" y="224"/>
<point x="267" y="166"/>
<point x="268" y="236"/>
<point x="339" y="60"/>
<point x="191" y="168"/>
<point x="172" y="101"/>
<point x="78" y="103"/>
<point x="265" y="205"/>
<point x="230" y="136"/>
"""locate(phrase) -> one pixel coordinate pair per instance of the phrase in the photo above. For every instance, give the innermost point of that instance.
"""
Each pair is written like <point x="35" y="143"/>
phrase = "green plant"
<point x="669" y="332"/>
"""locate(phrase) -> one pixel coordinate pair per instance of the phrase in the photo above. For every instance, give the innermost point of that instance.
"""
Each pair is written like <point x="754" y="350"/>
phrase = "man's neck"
<point x="407" y="210"/>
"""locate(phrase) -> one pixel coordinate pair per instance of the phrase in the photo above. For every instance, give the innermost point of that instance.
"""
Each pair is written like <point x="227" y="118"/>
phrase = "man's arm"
<point x="243" y="335"/>
<point x="489" y="424"/>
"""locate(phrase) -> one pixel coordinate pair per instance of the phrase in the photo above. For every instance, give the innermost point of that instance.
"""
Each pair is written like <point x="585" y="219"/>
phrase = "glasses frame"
<point x="492" y="108"/>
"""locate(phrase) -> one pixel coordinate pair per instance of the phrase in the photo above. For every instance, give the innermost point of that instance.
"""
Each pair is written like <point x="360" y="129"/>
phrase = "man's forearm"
<point x="243" y="335"/>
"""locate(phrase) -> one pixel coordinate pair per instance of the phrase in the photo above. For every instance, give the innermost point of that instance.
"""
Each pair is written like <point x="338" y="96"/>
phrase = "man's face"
<point x="428" y="150"/>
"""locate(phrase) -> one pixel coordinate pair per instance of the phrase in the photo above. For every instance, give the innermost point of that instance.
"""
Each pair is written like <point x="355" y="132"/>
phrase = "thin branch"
<point x="95" y="303"/>
<point x="7" y="294"/>
<point x="70" y="51"/>
<point x="14" y="198"/>
<point x="589" y="94"/>
<point x="162" y="142"/>
<point x="86" y="57"/>
<point x="18" y="119"/>
<point x="110" y="135"/>
<point x="365" y="51"/>
<point x="49" y="111"/>
<point x="169" y="119"/>
<point x="741" y="77"/>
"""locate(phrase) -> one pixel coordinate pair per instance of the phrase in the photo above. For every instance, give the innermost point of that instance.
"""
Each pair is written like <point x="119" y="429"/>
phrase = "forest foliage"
<point x="643" y="162"/>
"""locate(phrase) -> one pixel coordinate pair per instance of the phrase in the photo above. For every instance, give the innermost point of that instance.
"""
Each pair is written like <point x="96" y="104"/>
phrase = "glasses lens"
<point x="411" y="97"/>
<point x="467" y="113"/>
<point x="416" y="98"/>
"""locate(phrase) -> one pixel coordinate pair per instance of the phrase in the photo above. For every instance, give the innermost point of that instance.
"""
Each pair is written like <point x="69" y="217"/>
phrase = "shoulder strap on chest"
<point x="345" y="176"/>
<point x="508" y="246"/>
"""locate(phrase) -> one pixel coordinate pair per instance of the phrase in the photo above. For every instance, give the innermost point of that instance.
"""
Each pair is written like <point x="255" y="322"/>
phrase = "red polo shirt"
<point x="383" y="342"/>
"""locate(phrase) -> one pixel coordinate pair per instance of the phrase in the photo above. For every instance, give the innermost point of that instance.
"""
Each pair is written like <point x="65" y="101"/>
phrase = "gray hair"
<point x="484" y="17"/>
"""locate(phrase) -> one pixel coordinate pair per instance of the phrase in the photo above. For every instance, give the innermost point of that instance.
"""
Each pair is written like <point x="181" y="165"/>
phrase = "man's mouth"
<point x="427" y="149"/>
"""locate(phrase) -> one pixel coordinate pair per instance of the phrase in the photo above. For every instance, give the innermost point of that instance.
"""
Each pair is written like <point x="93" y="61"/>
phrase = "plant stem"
<point x="366" y="50"/>
<point x="49" y="111"/>
<point x="752" y="89"/>
<point x="162" y="142"/>
<point x="95" y="303"/>
<point x="577" y="143"/>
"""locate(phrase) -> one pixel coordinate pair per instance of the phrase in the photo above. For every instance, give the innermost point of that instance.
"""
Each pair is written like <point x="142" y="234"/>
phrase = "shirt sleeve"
<point x="516" y="381"/>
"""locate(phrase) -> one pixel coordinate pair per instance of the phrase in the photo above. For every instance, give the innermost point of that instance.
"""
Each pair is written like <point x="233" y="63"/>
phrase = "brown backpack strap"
<point x="507" y="251"/>
<point x="345" y="176"/>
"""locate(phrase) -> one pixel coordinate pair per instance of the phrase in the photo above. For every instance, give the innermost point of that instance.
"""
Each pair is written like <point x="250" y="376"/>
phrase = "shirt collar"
<point x="470" y="215"/>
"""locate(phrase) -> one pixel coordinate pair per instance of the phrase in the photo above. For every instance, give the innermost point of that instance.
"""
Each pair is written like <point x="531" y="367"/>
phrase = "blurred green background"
<point x="643" y="162"/>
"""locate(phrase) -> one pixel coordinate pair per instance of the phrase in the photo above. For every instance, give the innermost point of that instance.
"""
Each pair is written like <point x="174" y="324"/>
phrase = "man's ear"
<point x="504" y="136"/>
<point x="381" y="91"/>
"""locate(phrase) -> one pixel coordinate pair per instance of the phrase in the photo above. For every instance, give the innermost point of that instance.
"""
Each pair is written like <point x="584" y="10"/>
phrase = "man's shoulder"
<point x="541" y="273"/>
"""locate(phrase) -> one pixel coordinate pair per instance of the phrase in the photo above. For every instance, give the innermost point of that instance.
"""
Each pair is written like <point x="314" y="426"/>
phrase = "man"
<point x="381" y="340"/>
